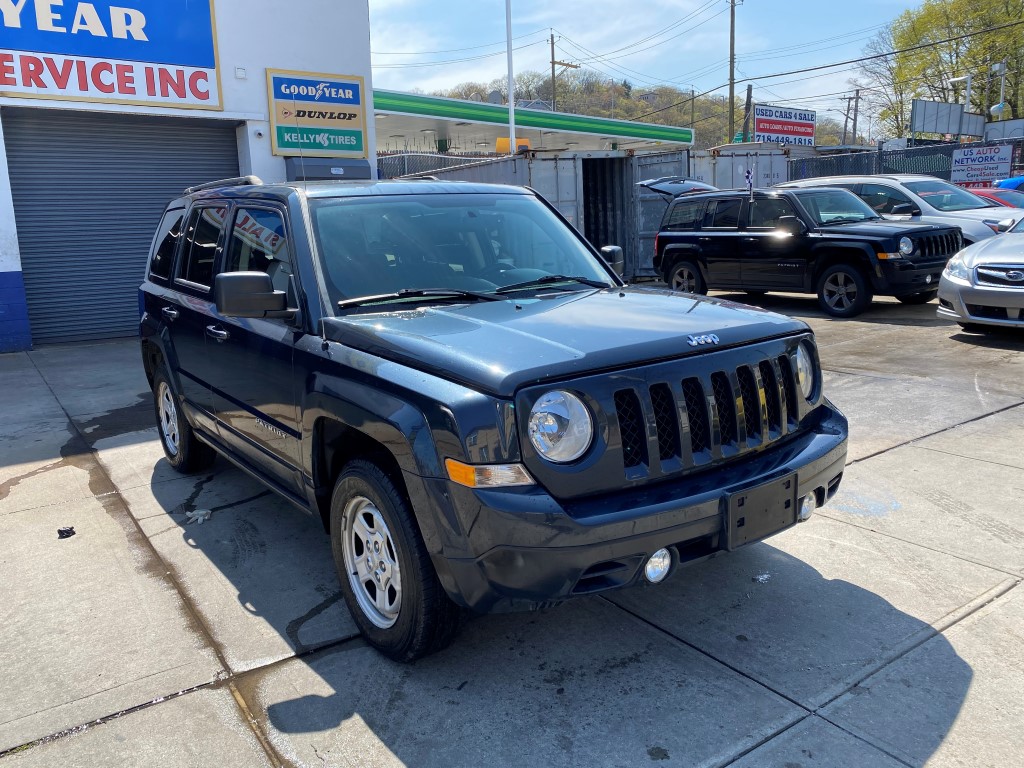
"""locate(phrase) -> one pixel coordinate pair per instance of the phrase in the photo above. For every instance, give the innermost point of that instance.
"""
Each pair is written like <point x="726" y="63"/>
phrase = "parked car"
<point x="925" y="199"/>
<point x="1015" y="182"/>
<point x="982" y="287"/>
<point x="670" y="186"/>
<point x="466" y="394"/>
<point x="1008" y="198"/>
<point x="817" y="240"/>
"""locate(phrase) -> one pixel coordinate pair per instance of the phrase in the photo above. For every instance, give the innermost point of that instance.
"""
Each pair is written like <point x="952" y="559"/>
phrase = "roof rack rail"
<point x="237" y="181"/>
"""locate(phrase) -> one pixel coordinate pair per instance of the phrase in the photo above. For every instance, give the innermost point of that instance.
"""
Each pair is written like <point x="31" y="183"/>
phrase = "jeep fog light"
<point x="560" y="426"/>
<point x="487" y="475"/>
<point x="808" y="504"/>
<point x="805" y="371"/>
<point x="658" y="566"/>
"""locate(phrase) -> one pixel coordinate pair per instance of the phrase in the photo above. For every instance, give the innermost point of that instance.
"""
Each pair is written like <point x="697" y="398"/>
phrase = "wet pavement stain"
<point x="295" y="625"/>
<point x="137" y="417"/>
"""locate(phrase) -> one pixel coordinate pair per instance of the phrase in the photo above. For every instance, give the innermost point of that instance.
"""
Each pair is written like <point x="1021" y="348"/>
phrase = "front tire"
<point x="387" y="578"/>
<point x="182" y="448"/>
<point x="685" y="276"/>
<point x="843" y="291"/>
<point x="918" y="298"/>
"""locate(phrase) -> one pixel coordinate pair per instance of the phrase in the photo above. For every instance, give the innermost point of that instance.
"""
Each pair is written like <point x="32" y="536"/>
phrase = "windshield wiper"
<point x="416" y="293"/>
<point x="548" y="280"/>
<point x="850" y="220"/>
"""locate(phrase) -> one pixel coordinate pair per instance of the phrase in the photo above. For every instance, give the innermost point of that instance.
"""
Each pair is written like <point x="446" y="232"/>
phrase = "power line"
<point x="662" y="31"/>
<point x="454" y="61"/>
<point x="843" y="63"/>
<point x="455" y="50"/>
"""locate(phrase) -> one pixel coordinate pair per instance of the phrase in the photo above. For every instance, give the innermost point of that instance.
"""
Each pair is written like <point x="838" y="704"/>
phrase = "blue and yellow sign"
<point x="124" y="51"/>
<point x="316" y="115"/>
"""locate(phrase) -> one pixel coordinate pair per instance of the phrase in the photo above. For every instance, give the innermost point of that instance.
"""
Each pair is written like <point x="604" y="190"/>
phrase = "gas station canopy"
<point x="413" y="122"/>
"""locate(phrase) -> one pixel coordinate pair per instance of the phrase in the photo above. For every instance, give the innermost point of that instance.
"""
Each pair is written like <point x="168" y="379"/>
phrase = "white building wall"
<point x="325" y="36"/>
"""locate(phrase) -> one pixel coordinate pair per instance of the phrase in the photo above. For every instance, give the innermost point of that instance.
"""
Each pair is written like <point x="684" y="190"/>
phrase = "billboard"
<point x="316" y="115"/>
<point x="155" y="52"/>
<point x="981" y="166"/>
<point x="784" y="125"/>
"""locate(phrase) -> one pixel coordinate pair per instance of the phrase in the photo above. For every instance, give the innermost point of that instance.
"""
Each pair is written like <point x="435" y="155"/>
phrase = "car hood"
<point x="996" y="213"/>
<point x="500" y="346"/>
<point x="1007" y="248"/>
<point x="882" y="228"/>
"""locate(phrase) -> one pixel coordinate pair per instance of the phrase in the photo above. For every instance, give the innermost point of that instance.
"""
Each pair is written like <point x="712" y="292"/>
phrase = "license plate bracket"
<point x="760" y="511"/>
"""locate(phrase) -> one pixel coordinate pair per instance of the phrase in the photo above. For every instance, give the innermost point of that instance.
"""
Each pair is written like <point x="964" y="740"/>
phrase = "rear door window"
<point x="202" y="241"/>
<point x="723" y="214"/>
<point x="165" y="244"/>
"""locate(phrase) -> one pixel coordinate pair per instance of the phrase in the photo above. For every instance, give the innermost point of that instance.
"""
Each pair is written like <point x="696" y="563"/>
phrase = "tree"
<point x="950" y="38"/>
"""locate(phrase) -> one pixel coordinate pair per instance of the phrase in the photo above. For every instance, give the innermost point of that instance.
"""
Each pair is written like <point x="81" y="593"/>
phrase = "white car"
<point x="914" y="197"/>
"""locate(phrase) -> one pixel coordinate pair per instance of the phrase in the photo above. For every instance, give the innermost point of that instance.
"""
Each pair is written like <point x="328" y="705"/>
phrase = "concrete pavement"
<point x="887" y="631"/>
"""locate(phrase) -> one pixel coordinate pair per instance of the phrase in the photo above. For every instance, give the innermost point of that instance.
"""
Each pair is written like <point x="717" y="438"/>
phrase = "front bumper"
<point x="964" y="302"/>
<point x="535" y="551"/>
<point x="905" y="278"/>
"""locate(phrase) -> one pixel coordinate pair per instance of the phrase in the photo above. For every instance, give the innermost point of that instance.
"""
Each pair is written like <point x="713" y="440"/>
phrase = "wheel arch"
<point x="675" y="253"/>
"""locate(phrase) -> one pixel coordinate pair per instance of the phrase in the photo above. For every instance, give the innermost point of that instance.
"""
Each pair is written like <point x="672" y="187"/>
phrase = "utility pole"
<point x="693" y="107"/>
<point x="856" y="107"/>
<point x="746" y="112"/>
<point x="512" y="147"/>
<point x="732" y="70"/>
<point x="555" y="61"/>
<point x="846" y="120"/>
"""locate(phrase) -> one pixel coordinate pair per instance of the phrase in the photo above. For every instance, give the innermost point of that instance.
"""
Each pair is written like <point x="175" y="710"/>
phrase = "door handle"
<point x="749" y="239"/>
<point x="170" y="314"/>
<point x="218" y="333"/>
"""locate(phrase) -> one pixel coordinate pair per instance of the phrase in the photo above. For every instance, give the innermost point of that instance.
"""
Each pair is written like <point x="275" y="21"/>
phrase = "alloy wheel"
<point x="683" y="279"/>
<point x="840" y="291"/>
<point x="168" y="418"/>
<point x="371" y="562"/>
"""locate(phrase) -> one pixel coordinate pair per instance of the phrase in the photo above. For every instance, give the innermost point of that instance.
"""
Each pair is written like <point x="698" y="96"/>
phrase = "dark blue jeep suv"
<point x="462" y="388"/>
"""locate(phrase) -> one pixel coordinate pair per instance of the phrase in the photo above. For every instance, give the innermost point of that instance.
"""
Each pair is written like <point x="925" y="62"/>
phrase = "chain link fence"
<point x="933" y="160"/>
<point x="392" y="166"/>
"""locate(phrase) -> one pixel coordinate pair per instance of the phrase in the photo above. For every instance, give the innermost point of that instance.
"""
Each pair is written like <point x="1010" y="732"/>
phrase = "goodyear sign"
<point x="161" y="52"/>
<point x="317" y="115"/>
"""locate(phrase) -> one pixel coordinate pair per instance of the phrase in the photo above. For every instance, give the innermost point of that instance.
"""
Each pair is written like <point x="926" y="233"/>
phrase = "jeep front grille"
<point x="938" y="246"/>
<point x="751" y="406"/>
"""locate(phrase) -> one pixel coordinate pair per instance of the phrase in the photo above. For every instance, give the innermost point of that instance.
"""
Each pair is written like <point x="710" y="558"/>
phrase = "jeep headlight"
<point x="560" y="426"/>
<point x="956" y="268"/>
<point x="906" y="246"/>
<point x="805" y="370"/>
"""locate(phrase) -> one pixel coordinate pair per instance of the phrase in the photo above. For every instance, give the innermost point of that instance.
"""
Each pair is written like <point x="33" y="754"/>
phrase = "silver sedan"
<point x="983" y="285"/>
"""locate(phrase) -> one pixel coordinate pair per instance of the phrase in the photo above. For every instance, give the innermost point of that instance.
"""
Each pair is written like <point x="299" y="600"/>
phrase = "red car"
<point x="1011" y="198"/>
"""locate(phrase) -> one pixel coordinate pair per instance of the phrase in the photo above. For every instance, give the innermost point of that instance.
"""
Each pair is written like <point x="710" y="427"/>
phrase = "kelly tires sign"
<point x="146" y="52"/>
<point x="980" y="166"/>
<point x="783" y="125"/>
<point x="315" y="115"/>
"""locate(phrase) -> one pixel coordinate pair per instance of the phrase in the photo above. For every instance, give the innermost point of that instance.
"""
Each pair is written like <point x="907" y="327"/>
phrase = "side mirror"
<point x="904" y="209"/>
<point x="1005" y="225"/>
<point x="612" y="254"/>
<point x="791" y="225"/>
<point x="249" y="294"/>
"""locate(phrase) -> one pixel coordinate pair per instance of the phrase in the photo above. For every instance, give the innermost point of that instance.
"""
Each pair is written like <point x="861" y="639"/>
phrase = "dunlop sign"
<point x="316" y="115"/>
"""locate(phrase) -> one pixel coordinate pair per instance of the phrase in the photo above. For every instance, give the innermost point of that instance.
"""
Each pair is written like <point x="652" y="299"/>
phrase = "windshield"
<point x="943" y="196"/>
<point x="479" y="243"/>
<point x="835" y="206"/>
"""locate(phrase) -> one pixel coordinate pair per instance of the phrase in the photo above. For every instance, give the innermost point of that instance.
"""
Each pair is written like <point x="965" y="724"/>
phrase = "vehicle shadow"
<point x="993" y="338"/>
<point x="881" y="311"/>
<point x="696" y="671"/>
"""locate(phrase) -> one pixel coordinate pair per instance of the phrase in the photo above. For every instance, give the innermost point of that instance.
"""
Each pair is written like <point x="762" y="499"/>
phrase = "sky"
<point x="684" y="43"/>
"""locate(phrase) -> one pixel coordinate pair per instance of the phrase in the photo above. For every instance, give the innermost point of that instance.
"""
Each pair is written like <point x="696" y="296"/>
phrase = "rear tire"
<point x="182" y="448"/>
<point x="843" y="291"/>
<point x="685" y="276"/>
<point x="387" y="578"/>
<point x="918" y="298"/>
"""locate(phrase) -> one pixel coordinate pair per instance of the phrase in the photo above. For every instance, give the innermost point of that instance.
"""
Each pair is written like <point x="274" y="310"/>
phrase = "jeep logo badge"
<point x="700" y="341"/>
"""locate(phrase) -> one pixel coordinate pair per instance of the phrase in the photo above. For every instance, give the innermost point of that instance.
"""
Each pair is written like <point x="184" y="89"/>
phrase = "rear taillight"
<point x="657" y="250"/>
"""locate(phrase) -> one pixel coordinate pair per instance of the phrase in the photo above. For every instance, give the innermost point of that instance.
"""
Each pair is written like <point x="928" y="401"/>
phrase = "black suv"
<point x="818" y="240"/>
<point x="463" y="390"/>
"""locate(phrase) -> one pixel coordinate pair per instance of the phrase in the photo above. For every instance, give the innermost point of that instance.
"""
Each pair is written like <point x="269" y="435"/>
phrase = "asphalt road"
<point x="887" y="631"/>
